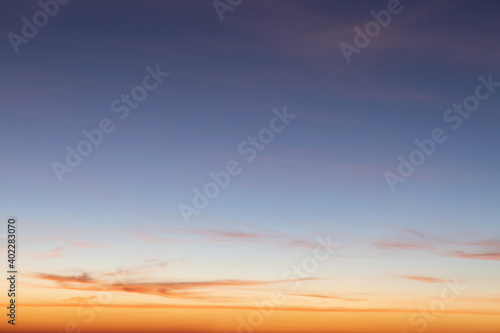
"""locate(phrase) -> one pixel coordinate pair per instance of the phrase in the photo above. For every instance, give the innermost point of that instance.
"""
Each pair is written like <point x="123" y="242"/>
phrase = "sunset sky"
<point x="308" y="236"/>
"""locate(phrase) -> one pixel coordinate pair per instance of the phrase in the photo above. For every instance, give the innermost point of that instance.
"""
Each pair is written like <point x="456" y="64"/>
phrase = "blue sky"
<point x="323" y="174"/>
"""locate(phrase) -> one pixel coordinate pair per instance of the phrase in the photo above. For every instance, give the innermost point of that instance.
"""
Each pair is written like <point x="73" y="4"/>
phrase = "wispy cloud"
<point x="58" y="252"/>
<point x="395" y="245"/>
<point x="481" y="249"/>
<point x="83" y="278"/>
<point x="156" y="235"/>
<point x="199" y="290"/>
<point x="80" y="299"/>
<point x="481" y="255"/>
<point x="425" y="279"/>
<point x="148" y="267"/>
<point x="55" y="253"/>
<point x="85" y="245"/>
<point x="332" y="297"/>
<point x="281" y="308"/>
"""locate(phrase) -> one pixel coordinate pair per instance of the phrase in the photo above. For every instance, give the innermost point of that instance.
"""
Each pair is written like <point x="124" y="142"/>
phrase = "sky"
<point x="251" y="166"/>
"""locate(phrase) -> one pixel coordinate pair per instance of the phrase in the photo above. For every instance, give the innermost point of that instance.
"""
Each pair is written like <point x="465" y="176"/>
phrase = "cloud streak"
<point x="83" y="278"/>
<point x="485" y="249"/>
<point x="271" y="237"/>
<point x="480" y="255"/>
<point x="425" y="279"/>
<point x="199" y="290"/>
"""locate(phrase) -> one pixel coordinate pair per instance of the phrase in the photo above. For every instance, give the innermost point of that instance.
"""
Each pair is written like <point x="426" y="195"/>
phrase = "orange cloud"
<point x="395" y="245"/>
<point x="481" y="256"/>
<point x="184" y="290"/>
<point x="424" y="279"/>
<point x="80" y="300"/>
<point x="481" y="249"/>
<point x="489" y="243"/>
<point x="55" y="253"/>
<point x="302" y="243"/>
<point x="58" y="251"/>
<point x="84" y="278"/>
<point x="332" y="297"/>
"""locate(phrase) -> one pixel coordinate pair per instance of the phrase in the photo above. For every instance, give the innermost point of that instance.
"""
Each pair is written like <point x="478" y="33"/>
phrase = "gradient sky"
<point x="113" y="225"/>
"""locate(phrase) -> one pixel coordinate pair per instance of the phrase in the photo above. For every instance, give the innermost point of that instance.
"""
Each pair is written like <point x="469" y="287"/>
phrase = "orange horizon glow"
<point x="125" y="318"/>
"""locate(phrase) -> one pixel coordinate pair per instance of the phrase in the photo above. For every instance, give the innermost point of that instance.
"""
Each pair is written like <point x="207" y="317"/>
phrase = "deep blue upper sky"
<point x="324" y="171"/>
